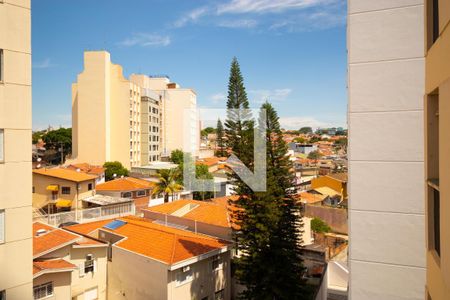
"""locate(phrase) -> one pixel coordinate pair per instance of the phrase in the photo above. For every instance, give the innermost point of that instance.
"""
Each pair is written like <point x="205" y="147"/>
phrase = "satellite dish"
<point x="39" y="159"/>
<point x="78" y="170"/>
<point x="38" y="166"/>
<point x="114" y="175"/>
<point x="121" y="176"/>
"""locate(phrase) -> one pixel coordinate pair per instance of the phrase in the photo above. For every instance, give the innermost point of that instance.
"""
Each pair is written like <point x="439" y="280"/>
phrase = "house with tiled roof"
<point x="149" y="260"/>
<point x="97" y="171"/>
<point x="67" y="265"/>
<point x="140" y="190"/>
<point x="61" y="189"/>
<point x="207" y="217"/>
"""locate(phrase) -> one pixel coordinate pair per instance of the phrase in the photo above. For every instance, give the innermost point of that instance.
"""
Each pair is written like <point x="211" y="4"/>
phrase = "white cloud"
<point x="219" y="97"/>
<point x="245" y="23"/>
<point x="146" y="40"/>
<point x="45" y="64"/>
<point x="191" y="17"/>
<point x="313" y="21"/>
<point x="260" y="96"/>
<point x="267" y="6"/>
<point x="299" y="122"/>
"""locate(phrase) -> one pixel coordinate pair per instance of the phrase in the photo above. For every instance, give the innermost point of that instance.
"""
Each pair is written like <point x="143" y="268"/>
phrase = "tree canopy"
<point x="114" y="168"/>
<point x="319" y="226"/>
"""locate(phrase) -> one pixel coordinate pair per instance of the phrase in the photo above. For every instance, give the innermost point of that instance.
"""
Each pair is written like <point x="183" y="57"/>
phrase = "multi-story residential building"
<point x="178" y="117"/>
<point x="105" y="113"/>
<point x="437" y="160"/>
<point x="151" y="261"/>
<point x="386" y="207"/>
<point x="134" y="121"/>
<point x="67" y="265"/>
<point x="60" y="188"/>
<point x="15" y="150"/>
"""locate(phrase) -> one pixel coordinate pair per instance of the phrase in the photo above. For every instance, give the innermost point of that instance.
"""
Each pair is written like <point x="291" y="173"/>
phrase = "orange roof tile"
<point x="52" y="239"/>
<point x="162" y="243"/>
<point x="87" y="168"/>
<point x="209" y="161"/>
<point x="125" y="184"/>
<point x="87" y="228"/>
<point x="65" y="174"/>
<point x="51" y="265"/>
<point x="85" y="241"/>
<point x="206" y="212"/>
<point x="310" y="198"/>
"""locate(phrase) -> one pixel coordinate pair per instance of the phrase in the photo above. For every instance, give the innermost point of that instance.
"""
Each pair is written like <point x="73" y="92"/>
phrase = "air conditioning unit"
<point x="186" y="269"/>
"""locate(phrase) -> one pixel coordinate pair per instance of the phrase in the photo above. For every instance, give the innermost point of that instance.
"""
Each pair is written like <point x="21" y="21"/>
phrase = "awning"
<point x="63" y="203"/>
<point x="53" y="188"/>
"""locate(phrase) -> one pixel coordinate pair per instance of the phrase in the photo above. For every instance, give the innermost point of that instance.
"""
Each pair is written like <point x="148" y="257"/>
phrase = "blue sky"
<point x="291" y="52"/>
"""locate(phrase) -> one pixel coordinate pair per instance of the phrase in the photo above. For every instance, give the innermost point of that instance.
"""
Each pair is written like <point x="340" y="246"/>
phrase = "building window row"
<point x="43" y="290"/>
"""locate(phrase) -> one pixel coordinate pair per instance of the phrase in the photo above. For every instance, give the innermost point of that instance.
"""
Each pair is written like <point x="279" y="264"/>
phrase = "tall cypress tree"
<point x="221" y="150"/>
<point x="285" y="239"/>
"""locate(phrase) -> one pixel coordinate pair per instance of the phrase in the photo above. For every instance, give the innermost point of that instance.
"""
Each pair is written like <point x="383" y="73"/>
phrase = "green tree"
<point x="167" y="184"/>
<point x="319" y="226"/>
<point x="37" y="135"/>
<point x="221" y="148"/>
<point x="176" y="156"/>
<point x="114" y="168"/>
<point x="202" y="172"/>
<point x="314" y="155"/>
<point x="270" y="227"/>
<point x="207" y="130"/>
<point x="299" y="140"/>
<point x="59" y="140"/>
<point x="239" y="123"/>
<point x="306" y="130"/>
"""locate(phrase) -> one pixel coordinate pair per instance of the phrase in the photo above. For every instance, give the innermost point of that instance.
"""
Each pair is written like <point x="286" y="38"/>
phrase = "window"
<point x="2" y="293"/>
<point x="432" y="21"/>
<point x="432" y="162"/>
<point x="90" y="187"/>
<point x="126" y="195"/>
<point x="1" y="63"/>
<point x="2" y="226"/>
<point x="141" y="193"/>
<point x="65" y="190"/>
<point x="2" y="146"/>
<point x="219" y="295"/>
<point x="89" y="266"/>
<point x="184" y="277"/>
<point x="43" y="290"/>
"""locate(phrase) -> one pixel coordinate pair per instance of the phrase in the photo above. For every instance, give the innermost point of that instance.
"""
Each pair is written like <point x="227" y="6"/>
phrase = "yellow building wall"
<point x="78" y="191"/>
<point x="334" y="184"/>
<point x="15" y="170"/>
<point x="61" y="284"/>
<point x="438" y="76"/>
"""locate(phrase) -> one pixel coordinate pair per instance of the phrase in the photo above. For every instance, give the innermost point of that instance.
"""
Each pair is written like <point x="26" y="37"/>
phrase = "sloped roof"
<point x="87" y="168"/>
<point x="52" y="239"/>
<point x="125" y="184"/>
<point x="65" y="174"/>
<point x="41" y="267"/>
<point x="162" y="243"/>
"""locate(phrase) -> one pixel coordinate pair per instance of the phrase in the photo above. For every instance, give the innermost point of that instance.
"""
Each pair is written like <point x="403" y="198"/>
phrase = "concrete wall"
<point x="336" y="218"/>
<point x="205" y="281"/>
<point x="438" y="76"/>
<point x="386" y="207"/>
<point x="15" y="170"/>
<point x="133" y="276"/>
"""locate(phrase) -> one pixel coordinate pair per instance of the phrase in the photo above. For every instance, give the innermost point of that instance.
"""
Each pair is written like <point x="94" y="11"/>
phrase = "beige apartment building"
<point x="136" y="121"/>
<point x="386" y="86"/>
<point x="437" y="160"/>
<point x="15" y="150"/>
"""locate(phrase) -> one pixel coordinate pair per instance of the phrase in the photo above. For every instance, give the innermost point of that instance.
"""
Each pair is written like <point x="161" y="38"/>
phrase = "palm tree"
<point x="167" y="184"/>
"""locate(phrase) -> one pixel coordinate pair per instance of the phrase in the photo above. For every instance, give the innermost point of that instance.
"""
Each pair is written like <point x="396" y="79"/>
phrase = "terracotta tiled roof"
<point x="65" y="174"/>
<point x="52" y="239"/>
<point x="87" y="168"/>
<point x="125" y="184"/>
<point x="210" y="161"/>
<point x="48" y="266"/>
<point x="310" y="198"/>
<point x="162" y="243"/>
<point x="87" y="228"/>
<point x="206" y="212"/>
<point x="85" y="241"/>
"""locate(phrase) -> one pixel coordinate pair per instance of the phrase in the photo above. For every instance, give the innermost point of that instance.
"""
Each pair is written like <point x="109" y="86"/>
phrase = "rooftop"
<point x="87" y="168"/>
<point x="47" y="238"/>
<point x="105" y="200"/>
<point x="65" y="174"/>
<point x="51" y="265"/>
<point x="164" y="244"/>
<point x="339" y="176"/>
<point x="125" y="184"/>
